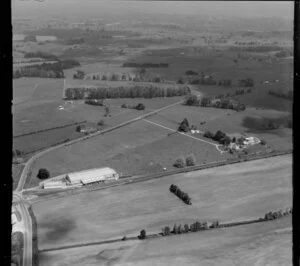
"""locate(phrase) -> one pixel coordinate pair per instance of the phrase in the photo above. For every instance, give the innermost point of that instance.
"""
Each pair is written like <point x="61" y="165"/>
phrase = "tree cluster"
<point x="288" y="96"/>
<point x="180" y="194"/>
<point x="191" y="73"/>
<point x="277" y="214"/>
<point x="43" y="174"/>
<point x="146" y="65"/>
<point x="248" y="82"/>
<point x="184" y="126"/>
<point x="142" y="235"/>
<point x="220" y="137"/>
<point x="97" y="102"/>
<point x="137" y="91"/>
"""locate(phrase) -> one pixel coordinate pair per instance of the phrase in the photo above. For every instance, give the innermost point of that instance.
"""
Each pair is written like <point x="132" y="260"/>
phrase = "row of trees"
<point x="46" y="70"/>
<point x="181" y="162"/>
<point x="224" y="102"/>
<point x="139" y="106"/>
<point x="194" y="227"/>
<point x="40" y="54"/>
<point x="124" y="92"/>
<point x="288" y="96"/>
<point x="180" y="194"/>
<point x="146" y="65"/>
<point x="209" y="80"/>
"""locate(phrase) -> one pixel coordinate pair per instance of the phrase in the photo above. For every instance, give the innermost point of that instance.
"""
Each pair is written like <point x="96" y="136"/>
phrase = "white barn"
<point x="92" y="176"/>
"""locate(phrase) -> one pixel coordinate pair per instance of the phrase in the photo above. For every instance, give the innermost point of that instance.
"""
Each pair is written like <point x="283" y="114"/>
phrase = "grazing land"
<point x="234" y="192"/>
<point x="265" y="243"/>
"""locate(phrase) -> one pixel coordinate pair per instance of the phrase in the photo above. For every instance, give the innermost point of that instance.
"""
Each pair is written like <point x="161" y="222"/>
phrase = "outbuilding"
<point x="92" y="176"/>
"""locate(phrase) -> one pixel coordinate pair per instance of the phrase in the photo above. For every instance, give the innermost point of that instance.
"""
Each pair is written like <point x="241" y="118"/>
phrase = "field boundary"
<point x="155" y="236"/>
<point x="49" y="129"/>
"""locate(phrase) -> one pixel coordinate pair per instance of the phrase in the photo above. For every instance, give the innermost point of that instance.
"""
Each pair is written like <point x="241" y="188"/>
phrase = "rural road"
<point x="30" y="162"/>
<point x="22" y="208"/>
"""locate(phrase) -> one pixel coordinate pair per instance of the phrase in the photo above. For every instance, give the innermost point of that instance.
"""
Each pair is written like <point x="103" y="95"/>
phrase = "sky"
<point x="94" y="8"/>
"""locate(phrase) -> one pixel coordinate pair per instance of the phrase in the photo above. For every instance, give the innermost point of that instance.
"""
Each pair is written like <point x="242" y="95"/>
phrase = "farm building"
<point x="54" y="184"/>
<point x="92" y="176"/>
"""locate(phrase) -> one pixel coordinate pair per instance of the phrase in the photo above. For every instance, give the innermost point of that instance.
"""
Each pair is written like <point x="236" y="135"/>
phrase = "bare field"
<point x="234" y="192"/>
<point x="257" y="244"/>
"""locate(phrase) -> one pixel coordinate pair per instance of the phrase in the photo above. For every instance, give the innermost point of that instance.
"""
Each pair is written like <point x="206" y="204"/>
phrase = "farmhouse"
<point x="92" y="176"/>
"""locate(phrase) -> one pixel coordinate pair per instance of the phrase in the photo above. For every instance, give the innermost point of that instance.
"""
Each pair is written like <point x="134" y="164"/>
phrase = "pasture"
<point x="265" y="243"/>
<point x="233" y="192"/>
<point x="138" y="148"/>
<point x="228" y="121"/>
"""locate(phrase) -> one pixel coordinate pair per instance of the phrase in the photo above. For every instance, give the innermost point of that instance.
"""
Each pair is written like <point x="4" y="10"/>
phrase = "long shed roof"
<point x="95" y="173"/>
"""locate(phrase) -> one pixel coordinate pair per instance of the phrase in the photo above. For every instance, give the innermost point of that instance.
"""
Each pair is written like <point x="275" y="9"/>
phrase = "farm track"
<point x="29" y="163"/>
<point x="153" y="236"/>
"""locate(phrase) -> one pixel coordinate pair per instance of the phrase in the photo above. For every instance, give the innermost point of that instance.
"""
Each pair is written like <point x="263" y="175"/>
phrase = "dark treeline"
<point x="220" y="136"/>
<point x="258" y="49"/>
<point x="40" y="54"/>
<point x="97" y="102"/>
<point x="146" y="65"/>
<point x="124" y="92"/>
<point x="45" y="70"/>
<point x="200" y="226"/>
<point x="288" y="96"/>
<point x="73" y="41"/>
<point x="180" y="194"/>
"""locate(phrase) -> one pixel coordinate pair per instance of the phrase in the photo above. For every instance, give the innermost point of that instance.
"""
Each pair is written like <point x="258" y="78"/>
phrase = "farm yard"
<point x="266" y="243"/>
<point x="234" y="192"/>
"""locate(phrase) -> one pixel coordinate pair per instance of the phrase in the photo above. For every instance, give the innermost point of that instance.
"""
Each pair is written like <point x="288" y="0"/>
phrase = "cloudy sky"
<point x="32" y="8"/>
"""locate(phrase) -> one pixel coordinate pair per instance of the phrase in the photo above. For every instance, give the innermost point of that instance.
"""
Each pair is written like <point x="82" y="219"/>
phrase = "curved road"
<point x="22" y="208"/>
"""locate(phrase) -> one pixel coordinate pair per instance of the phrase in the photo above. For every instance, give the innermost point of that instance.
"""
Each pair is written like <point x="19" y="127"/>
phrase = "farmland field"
<point x="262" y="244"/>
<point x="138" y="148"/>
<point x="234" y="192"/>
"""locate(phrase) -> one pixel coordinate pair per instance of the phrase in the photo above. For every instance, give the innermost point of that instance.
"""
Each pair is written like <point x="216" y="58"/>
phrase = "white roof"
<point x="96" y="173"/>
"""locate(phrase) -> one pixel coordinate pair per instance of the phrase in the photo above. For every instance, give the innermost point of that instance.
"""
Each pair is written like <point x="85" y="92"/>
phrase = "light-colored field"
<point x="256" y="244"/>
<point x="233" y="192"/>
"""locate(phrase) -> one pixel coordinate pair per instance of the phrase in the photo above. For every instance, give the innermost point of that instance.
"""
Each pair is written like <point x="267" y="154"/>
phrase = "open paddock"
<point x="266" y="243"/>
<point x="233" y="192"/>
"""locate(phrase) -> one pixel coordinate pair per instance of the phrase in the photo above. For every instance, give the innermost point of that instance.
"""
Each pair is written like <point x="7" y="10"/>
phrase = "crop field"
<point x="234" y="192"/>
<point x="265" y="243"/>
